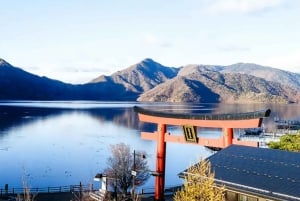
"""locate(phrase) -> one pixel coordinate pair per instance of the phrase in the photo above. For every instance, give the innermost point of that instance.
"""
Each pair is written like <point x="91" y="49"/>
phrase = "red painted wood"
<point x="161" y="136"/>
<point x="160" y="162"/>
<point x="245" y="123"/>
<point x="209" y="142"/>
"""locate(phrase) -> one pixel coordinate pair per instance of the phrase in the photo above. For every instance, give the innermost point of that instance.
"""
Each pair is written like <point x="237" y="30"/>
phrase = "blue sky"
<point x="78" y="40"/>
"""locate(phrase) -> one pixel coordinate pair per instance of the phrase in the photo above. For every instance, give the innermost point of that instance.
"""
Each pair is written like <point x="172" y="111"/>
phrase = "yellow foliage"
<point x="199" y="185"/>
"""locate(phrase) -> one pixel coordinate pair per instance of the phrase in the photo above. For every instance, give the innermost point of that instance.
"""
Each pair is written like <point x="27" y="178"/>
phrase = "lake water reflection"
<point x="63" y="143"/>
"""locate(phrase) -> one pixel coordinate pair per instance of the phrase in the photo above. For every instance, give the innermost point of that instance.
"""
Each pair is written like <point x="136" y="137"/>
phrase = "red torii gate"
<point x="190" y="122"/>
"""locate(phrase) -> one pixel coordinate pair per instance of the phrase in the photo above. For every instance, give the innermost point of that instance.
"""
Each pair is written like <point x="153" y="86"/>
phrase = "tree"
<point x="289" y="142"/>
<point x="120" y="164"/>
<point x="199" y="185"/>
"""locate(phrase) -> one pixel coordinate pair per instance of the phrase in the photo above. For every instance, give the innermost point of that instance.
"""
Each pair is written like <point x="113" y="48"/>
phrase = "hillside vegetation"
<point x="151" y="81"/>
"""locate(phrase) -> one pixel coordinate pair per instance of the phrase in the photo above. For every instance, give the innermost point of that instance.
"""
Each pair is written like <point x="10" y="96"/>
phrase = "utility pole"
<point x="133" y="176"/>
<point x="134" y="171"/>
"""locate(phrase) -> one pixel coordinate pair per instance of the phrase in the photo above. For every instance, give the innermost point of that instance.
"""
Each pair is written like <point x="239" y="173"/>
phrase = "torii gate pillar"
<point x="161" y="162"/>
<point x="227" y="136"/>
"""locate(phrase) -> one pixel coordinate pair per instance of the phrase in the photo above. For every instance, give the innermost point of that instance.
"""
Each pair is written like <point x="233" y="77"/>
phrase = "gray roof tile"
<point x="274" y="172"/>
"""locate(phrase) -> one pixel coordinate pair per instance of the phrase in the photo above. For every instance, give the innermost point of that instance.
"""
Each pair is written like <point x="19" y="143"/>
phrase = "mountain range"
<point x="148" y="80"/>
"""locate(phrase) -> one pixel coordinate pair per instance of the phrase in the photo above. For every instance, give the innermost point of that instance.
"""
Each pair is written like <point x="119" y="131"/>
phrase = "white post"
<point x="104" y="184"/>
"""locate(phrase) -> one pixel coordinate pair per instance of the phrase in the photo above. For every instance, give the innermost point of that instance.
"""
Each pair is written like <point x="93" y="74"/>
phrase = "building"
<point x="256" y="174"/>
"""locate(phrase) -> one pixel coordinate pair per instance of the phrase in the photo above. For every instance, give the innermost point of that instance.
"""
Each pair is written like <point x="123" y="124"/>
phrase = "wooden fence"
<point x="57" y="189"/>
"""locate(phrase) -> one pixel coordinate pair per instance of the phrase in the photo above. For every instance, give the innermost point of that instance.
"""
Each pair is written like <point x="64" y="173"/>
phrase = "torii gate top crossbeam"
<point x="231" y="120"/>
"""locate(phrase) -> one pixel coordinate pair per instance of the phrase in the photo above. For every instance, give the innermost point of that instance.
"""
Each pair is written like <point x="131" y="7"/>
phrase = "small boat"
<point x="287" y="124"/>
<point x="253" y="131"/>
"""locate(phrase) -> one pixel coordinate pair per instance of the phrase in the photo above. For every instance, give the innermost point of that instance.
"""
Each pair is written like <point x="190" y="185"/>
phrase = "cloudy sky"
<point x="78" y="40"/>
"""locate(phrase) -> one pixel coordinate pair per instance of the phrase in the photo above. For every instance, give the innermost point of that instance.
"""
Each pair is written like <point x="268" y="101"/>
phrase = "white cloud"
<point x="75" y="72"/>
<point x="242" y="6"/>
<point x="289" y="62"/>
<point x="153" y="40"/>
<point x="233" y="48"/>
<point x="68" y="75"/>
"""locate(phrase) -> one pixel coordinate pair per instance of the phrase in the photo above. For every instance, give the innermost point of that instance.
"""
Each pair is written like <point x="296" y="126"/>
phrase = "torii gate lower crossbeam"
<point x="190" y="122"/>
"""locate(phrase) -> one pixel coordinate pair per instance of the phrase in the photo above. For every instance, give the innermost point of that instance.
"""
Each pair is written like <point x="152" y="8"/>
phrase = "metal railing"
<point x="168" y="190"/>
<point x="36" y="190"/>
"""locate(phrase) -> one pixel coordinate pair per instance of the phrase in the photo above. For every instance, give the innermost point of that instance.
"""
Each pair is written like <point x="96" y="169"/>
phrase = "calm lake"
<point x="64" y="143"/>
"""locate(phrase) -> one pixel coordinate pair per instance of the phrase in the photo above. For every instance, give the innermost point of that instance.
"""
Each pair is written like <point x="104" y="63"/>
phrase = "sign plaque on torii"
<point x="189" y="123"/>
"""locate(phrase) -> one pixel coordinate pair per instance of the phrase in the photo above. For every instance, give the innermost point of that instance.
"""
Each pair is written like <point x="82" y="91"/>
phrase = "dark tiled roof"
<point x="271" y="172"/>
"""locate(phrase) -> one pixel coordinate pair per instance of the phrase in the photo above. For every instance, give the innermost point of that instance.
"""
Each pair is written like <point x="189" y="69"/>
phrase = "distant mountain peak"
<point x="148" y="60"/>
<point x="3" y="63"/>
<point x="148" y="64"/>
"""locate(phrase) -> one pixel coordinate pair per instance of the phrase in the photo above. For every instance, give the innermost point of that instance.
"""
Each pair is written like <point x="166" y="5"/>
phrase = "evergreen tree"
<point x="289" y="142"/>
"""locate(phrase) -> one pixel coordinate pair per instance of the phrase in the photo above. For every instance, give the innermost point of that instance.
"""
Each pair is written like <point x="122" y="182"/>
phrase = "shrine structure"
<point x="190" y="123"/>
